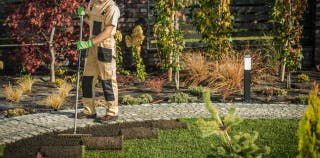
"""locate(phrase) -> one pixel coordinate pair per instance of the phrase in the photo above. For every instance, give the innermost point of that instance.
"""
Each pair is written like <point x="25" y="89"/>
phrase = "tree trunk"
<point x="53" y="58"/>
<point x="282" y="70"/>
<point x="177" y="73"/>
<point x="289" y="80"/>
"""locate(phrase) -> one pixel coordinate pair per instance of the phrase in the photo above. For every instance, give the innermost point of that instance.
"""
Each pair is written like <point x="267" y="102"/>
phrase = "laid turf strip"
<point x="103" y="137"/>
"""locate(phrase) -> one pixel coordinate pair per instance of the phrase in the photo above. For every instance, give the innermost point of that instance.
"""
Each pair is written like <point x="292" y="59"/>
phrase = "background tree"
<point x="287" y="15"/>
<point x="169" y="38"/>
<point x="214" y="21"/>
<point x="47" y="30"/>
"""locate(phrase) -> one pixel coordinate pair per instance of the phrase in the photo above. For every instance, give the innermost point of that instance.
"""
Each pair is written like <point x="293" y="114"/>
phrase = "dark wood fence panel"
<point x="251" y="27"/>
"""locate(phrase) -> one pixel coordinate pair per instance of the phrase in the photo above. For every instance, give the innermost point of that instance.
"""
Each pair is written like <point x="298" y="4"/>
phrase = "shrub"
<point x="55" y="101"/>
<point x="72" y="79"/>
<point x="142" y="99"/>
<point x="59" y="71"/>
<point x="123" y="80"/>
<point x="301" y="99"/>
<point x="181" y="98"/>
<point x="16" y="112"/>
<point x="309" y="127"/>
<point x="25" y="82"/>
<point x="64" y="89"/>
<point x="195" y="90"/>
<point x="59" y="82"/>
<point x="13" y="94"/>
<point x="303" y="78"/>
<point x="155" y="84"/>
<point x="270" y="91"/>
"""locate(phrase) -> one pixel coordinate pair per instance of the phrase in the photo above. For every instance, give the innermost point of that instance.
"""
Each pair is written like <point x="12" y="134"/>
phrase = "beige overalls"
<point x="100" y="61"/>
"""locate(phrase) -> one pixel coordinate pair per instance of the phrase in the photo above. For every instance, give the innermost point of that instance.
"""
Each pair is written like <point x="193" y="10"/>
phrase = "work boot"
<point x="82" y="115"/>
<point x="107" y="118"/>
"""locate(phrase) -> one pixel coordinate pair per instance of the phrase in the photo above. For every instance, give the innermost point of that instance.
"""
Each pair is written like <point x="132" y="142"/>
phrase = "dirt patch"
<point x="103" y="137"/>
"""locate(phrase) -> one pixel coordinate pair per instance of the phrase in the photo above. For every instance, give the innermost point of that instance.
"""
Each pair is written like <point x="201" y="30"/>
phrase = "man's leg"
<point x="90" y="75"/>
<point x="107" y="68"/>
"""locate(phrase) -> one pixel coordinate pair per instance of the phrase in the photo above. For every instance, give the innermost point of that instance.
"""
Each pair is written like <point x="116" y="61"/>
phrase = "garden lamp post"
<point x="247" y="77"/>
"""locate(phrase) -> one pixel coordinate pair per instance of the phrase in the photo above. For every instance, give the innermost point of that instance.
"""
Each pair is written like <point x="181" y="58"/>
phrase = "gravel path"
<point x="16" y="128"/>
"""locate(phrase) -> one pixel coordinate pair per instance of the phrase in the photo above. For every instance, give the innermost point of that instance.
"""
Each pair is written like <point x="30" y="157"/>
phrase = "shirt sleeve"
<point x="112" y="16"/>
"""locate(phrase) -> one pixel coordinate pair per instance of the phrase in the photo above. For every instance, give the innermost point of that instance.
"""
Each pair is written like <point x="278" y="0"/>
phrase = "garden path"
<point x="16" y="128"/>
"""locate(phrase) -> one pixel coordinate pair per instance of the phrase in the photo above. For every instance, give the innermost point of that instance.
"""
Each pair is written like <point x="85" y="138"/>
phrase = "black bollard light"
<point x="247" y="78"/>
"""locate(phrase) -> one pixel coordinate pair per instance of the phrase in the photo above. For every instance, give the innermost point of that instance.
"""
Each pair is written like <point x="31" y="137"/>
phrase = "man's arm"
<point x="106" y="33"/>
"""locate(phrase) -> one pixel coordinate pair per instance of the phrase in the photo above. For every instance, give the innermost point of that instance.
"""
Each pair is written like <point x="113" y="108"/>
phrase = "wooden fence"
<point x="252" y="26"/>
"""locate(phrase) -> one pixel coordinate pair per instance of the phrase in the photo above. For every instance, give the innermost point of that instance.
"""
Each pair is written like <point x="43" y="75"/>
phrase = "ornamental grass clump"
<point x="309" y="127"/>
<point x="25" y="82"/>
<point x="13" y="94"/>
<point x="55" y="101"/>
<point x="155" y="85"/>
<point x="64" y="89"/>
<point x="135" y="41"/>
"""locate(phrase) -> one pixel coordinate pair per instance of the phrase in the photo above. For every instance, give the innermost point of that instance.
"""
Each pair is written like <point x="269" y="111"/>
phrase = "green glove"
<point x="84" y="44"/>
<point x="81" y="11"/>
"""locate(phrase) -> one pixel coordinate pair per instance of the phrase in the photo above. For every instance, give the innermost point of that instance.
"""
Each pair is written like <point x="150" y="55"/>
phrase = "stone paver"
<point x="16" y="128"/>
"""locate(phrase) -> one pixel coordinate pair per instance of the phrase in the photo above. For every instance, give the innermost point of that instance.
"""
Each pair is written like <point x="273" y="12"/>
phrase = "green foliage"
<point x="119" y="57"/>
<point x="125" y="72"/>
<point x="142" y="99"/>
<point x="59" y="71"/>
<point x="135" y="41"/>
<point x="196" y="90"/>
<point x="169" y="40"/>
<point x="301" y="99"/>
<point x="25" y="78"/>
<point x="303" y="78"/>
<point x="181" y="98"/>
<point x="241" y="145"/>
<point x="287" y="15"/>
<point x="59" y="82"/>
<point x="309" y="128"/>
<point x="270" y="91"/>
<point x="214" y="21"/>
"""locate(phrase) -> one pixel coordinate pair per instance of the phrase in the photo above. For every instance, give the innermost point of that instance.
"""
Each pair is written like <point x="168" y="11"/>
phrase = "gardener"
<point x="102" y="17"/>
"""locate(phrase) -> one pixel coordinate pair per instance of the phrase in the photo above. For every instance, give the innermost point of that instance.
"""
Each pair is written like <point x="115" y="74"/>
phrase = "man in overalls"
<point x="102" y="18"/>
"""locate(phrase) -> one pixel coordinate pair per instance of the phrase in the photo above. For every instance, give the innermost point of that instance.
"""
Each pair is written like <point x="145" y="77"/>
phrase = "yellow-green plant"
<point x="59" y="71"/>
<point x="13" y="94"/>
<point x="55" y="101"/>
<point x="64" y="89"/>
<point x="119" y="58"/>
<point x="241" y="145"/>
<point x="303" y="78"/>
<point x="214" y="21"/>
<point x="25" y="82"/>
<point x="135" y="41"/>
<point x="16" y="112"/>
<point x="309" y="127"/>
<point x="59" y="82"/>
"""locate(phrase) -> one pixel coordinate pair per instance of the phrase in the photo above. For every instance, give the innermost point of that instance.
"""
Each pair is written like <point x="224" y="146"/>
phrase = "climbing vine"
<point x="287" y="15"/>
<point x="169" y="38"/>
<point x="135" y="41"/>
<point x="214" y="21"/>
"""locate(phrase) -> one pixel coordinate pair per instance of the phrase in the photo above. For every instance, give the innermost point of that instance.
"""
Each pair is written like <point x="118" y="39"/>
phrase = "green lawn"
<point x="278" y="134"/>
